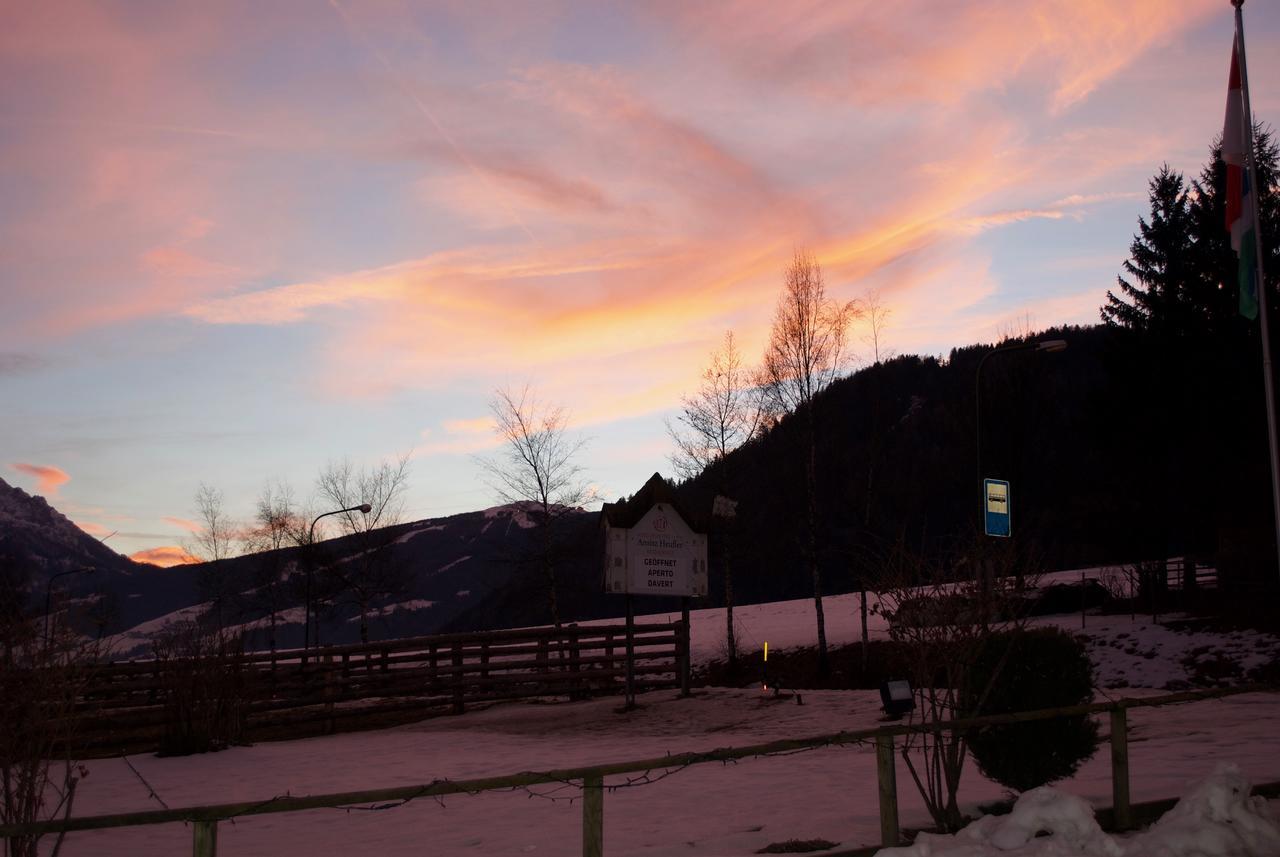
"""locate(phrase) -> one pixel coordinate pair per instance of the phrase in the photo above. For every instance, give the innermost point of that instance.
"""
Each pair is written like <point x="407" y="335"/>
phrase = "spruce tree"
<point x="1160" y="263"/>
<point x="1215" y="262"/>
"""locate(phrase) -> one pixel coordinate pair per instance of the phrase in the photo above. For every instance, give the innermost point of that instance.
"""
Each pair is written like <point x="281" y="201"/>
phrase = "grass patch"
<point x="797" y="669"/>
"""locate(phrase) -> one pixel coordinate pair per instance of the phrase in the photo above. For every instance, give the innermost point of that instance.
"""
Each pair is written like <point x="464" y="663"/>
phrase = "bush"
<point x="1025" y="671"/>
<point x="204" y="687"/>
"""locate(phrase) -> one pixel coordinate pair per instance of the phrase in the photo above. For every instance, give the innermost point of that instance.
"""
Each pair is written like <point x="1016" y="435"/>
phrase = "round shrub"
<point x="1024" y="671"/>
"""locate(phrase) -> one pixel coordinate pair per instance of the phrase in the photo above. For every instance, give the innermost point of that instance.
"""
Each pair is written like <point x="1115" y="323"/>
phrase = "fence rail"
<point x="129" y="704"/>
<point x="591" y="779"/>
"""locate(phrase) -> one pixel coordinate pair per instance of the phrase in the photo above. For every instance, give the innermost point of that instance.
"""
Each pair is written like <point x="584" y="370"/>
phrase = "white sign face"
<point x="660" y="555"/>
<point x="997" y="497"/>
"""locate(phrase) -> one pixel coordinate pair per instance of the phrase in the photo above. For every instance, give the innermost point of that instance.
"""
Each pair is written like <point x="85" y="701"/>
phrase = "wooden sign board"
<point x="660" y="555"/>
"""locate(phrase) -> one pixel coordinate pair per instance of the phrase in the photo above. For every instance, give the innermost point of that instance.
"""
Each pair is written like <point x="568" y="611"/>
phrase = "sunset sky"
<point x="241" y="239"/>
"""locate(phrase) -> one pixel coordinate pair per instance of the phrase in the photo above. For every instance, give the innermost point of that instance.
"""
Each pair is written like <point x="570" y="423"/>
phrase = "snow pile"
<point x="1218" y="818"/>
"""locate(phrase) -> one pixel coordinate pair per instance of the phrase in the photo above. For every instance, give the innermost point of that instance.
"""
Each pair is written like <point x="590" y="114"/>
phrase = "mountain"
<point x="467" y="571"/>
<point x="46" y="540"/>
<point x="463" y="572"/>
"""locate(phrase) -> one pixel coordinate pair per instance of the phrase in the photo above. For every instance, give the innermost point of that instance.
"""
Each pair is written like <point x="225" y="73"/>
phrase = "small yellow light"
<point x="766" y="650"/>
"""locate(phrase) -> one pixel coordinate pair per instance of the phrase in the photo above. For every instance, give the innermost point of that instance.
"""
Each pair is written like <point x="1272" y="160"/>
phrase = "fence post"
<point x="458" y="705"/>
<point x="682" y="650"/>
<point x="887" y="777"/>
<point x="205" y="839"/>
<point x="575" y="655"/>
<point x="329" y="692"/>
<point x="593" y="816"/>
<point x="1120" y="769"/>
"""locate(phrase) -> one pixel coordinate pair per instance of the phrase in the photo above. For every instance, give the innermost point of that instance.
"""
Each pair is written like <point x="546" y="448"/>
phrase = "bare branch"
<point x="726" y="411"/>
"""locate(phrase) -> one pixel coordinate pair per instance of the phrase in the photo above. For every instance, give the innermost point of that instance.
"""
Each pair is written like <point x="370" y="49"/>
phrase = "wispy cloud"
<point x="183" y="524"/>
<point x="48" y="478"/>
<point x="16" y="363"/>
<point x="95" y="530"/>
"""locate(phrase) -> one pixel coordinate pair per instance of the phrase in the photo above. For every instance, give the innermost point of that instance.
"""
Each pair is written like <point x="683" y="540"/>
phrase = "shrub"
<point x="1027" y="670"/>
<point x="204" y="687"/>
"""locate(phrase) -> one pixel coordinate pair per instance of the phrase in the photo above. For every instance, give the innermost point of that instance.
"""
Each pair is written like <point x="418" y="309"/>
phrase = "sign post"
<point x="995" y="495"/>
<point x="660" y="555"/>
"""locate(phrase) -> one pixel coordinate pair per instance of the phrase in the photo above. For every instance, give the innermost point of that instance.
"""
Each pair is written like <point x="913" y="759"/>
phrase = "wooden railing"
<point x="1122" y="815"/>
<point x="124" y="704"/>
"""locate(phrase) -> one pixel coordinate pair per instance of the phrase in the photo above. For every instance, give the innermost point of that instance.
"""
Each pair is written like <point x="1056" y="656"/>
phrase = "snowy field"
<point x="712" y="809"/>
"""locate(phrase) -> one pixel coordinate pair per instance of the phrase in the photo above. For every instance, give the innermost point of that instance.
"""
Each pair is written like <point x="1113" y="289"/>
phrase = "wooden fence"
<point x="128" y="705"/>
<point x="1122" y="815"/>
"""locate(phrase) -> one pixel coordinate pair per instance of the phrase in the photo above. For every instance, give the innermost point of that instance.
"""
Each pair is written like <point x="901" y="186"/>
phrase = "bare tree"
<point x="877" y="316"/>
<point x="726" y="411"/>
<point x="213" y="543"/>
<point x="42" y="677"/>
<point x="537" y="467"/>
<point x="806" y="352"/>
<point x="372" y="573"/>
<point x="278" y="523"/>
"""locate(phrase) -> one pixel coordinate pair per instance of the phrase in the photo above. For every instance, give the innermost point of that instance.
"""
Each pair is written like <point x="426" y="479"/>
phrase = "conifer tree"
<point x="1161" y="263"/>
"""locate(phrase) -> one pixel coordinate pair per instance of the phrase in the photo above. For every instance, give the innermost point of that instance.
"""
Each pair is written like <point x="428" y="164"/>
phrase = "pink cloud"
<point x="921" y="51"/>
<point x="183" y="523"/>
<point x="95" y="530"/>
<point x="48" y="479"/>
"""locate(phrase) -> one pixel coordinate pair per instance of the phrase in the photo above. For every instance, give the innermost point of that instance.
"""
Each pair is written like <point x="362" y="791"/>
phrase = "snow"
<point x="715" y="809"/>
<point x="1217" y="817"/>
<point x="450" y="565"/>
<point x="399" y="606"/>
<point x="704" y="810"/>
<point x="517" y="513"/>
<point x="414" y="533"/>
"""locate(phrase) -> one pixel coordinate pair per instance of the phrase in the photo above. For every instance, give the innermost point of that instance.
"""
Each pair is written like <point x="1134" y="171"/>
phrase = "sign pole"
<point x="631" y="657"/>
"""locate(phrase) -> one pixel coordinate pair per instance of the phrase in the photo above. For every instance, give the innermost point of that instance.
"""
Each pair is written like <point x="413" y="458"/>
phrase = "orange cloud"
<point x="477" y="425"/>
<point x="48" y="479"/>
<point x="165" y="557"/>
<point x="95" y="530"/>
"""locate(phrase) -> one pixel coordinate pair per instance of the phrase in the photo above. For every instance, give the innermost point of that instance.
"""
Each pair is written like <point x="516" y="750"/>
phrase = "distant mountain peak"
<point x="32" y="529"/>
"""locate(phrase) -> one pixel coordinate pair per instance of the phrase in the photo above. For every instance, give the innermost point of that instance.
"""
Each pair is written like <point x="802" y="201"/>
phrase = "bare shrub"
<point x="943" y="621"/>
<point x="42" y="677"/>
<point x="205" y="689"/>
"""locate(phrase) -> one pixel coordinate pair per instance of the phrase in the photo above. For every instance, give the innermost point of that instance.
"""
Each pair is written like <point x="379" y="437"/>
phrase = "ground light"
<point x="896" y="698"/>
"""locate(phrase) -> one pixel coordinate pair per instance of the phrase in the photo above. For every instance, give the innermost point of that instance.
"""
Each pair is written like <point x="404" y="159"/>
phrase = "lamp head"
<point x="366" y="508"/>
<point x="1051" y="345"/>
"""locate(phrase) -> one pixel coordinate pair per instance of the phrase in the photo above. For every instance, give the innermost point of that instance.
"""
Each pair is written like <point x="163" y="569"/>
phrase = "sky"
<point x="239" y="241"/>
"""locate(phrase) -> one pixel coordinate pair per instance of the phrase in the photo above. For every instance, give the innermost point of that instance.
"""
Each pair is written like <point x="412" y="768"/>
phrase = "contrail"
<point x="358" y="36"/>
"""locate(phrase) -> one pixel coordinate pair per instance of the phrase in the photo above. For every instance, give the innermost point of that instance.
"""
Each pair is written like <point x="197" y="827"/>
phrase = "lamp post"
<point x="363" y="508"/>
<point x="48" y="594"/>
<point x="1048" y="345"/>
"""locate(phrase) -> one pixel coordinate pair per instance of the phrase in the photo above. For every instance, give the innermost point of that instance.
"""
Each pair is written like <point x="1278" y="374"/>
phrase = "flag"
<point x="1239" y="190"/>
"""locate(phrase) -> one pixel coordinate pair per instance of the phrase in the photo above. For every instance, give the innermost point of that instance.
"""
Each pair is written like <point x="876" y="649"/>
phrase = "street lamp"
<point x="363" y="508"/>
<point x="1048" y="345"/>
<point x="48" y="594"/>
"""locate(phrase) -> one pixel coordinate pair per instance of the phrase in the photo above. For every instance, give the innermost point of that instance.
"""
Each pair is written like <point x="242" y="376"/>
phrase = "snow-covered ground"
<point x="709" y="809"/>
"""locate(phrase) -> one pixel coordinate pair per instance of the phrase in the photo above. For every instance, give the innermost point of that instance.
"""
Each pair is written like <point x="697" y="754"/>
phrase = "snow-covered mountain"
<point x="46" y="540"/>
<point x="465" y="571"/>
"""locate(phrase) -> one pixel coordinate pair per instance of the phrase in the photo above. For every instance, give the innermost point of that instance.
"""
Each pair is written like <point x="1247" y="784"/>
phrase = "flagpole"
<point x="1268" y="383"/>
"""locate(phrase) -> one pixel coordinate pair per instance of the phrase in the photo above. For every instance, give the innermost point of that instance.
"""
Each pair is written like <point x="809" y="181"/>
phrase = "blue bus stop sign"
<point x="995" y="505"/>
